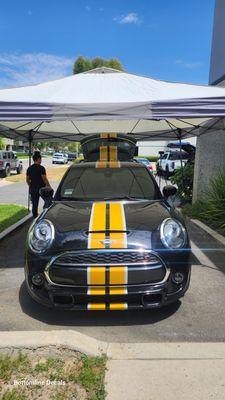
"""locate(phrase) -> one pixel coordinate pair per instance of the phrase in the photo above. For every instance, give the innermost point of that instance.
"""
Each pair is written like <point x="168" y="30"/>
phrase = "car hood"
<point x="140" y="222"/>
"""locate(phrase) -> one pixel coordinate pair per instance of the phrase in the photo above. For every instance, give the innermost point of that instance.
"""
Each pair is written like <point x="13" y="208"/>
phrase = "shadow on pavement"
<point x="212" y="248"/>
<point x="13" y="247"/>
<point x="52" y="316"/>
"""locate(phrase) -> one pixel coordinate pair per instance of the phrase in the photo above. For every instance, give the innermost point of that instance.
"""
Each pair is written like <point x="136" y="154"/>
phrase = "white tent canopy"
<point x="107" y="100"/>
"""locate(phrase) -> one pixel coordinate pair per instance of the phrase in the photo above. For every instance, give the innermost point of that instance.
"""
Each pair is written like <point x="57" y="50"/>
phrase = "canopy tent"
<point x="107" y="100"/>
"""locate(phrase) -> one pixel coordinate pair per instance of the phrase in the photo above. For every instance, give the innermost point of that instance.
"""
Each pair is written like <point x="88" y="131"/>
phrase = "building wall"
<point x="210" y="158"/>
<point x="210" y="149"/>
<point x="217" y="64"/>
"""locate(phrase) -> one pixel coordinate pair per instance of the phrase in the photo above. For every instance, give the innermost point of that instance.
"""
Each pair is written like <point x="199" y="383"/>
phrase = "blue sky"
<point x="165" y="39"/>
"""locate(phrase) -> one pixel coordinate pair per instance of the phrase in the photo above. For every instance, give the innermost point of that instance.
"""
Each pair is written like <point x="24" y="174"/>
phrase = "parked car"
<point x="9" y="162"/>
<point x="109" y="240"/>
<point x="72" y="156"/>
<point x="59" y="158"/>
<point x="170" y="161"/>
<point x="144" y="161"/>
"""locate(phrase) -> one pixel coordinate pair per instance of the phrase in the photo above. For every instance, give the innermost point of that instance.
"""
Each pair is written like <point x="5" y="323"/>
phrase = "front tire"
<point x="7" y="171"/>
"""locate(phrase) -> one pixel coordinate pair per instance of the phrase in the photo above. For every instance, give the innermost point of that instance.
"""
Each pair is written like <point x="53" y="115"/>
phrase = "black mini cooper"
<point x="109" y="240"/>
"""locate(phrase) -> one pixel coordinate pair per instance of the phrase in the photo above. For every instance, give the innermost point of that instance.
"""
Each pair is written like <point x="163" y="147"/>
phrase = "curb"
<point x="66" y="339"/>
<point x="13" y="227"/>
<point x="210" y="231"/>
<point x="115" y="351"/>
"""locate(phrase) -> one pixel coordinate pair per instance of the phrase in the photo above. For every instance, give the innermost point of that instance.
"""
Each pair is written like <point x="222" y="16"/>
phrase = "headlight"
<point x="173" y="234"/>
<point x="41" y="236"/>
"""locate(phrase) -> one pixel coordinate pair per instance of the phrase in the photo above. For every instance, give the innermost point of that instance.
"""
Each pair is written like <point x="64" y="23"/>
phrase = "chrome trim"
<point x="46" y="271"/>
<point x="163" y="238"/>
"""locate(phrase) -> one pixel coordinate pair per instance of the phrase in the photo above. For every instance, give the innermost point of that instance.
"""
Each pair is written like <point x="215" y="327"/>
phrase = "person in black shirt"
<point x="36" y="179"/>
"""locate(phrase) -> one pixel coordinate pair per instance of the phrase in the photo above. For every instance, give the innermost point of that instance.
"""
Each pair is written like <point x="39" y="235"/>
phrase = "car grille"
<point x="71" y="268"/>
<point x="106" y="257"/>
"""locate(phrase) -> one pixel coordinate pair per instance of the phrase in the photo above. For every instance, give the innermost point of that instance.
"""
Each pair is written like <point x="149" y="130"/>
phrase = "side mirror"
<point x="169" y="190"/>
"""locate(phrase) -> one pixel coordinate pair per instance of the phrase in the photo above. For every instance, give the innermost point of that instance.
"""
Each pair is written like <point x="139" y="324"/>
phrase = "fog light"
<point x="38" y="279"/>
<point x="178" y="277"/>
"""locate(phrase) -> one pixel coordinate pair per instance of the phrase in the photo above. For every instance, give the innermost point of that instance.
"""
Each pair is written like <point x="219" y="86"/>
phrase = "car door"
<point x="12" y="160"/>
<point x="163" y="161"/>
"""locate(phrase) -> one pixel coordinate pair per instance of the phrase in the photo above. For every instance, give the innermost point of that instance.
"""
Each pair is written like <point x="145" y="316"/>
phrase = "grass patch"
<point x="53" y="174"/>
<point x="10" y="214"/>
<point x="73" y="376"/>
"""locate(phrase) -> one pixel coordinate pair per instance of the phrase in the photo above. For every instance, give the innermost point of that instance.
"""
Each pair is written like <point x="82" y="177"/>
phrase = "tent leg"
<point x="30" y="149"/>
<point x="181" y="161"/>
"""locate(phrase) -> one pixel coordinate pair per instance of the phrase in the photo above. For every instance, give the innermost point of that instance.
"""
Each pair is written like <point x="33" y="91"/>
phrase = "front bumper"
<point x="72" y="299"/>
<point x="144" y="296"/>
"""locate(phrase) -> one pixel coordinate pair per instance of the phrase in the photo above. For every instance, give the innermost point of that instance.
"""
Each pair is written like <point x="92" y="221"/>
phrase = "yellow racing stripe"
<point x="96" y="306"/>
<point x="97" y="223"/>
<point x="107" y="164"/>
<point x="113" y="153"/>
<point x="118" y="306"/>
<point x="103" y="153"/>
<point x="104" y="135"/>
<point x="96" y="274"/>
<point x="118" y="274"/>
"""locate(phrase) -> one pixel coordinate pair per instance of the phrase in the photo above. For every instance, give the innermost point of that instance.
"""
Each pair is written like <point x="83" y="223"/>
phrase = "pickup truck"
<point x="9" y="162"/>
<point x="170" y="161"/>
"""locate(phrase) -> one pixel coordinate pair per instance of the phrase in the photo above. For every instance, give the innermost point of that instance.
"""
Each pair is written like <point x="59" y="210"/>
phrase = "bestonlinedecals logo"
<point x="34" y="382"/>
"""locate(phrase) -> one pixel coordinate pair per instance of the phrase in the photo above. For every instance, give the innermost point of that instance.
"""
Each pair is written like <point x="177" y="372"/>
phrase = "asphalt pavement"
<point x="17" y="193"/>
<point x="198" y="317"/>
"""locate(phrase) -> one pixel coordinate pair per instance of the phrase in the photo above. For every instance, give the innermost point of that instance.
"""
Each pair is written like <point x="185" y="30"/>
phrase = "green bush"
<point x="184" y="181"/>
<point x="212" y="209"/>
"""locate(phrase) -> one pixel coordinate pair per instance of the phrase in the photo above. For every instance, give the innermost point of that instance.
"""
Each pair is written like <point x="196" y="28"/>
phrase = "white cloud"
<point x="189" y="65"/>
<point x="131" y="18"/>
<point x="88" y="8"/>
<point x="32" y="68"/>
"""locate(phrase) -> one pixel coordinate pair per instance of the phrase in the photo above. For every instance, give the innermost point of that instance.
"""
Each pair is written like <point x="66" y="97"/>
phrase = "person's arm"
<point x="45" y="180"/>
<point x="28" y="180"/>
<point x="44" y="177"/>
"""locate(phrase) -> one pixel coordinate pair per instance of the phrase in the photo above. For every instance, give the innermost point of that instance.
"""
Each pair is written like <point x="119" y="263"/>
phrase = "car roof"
<point x="91" y="164"/>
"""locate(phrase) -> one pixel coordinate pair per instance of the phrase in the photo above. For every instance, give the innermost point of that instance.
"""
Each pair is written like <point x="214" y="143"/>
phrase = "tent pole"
<point x="181" y="161"/>
<point x="30" y="149"/>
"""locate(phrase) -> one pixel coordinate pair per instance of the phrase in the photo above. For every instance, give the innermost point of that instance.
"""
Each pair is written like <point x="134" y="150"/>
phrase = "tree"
<point x="85" y="64"/>
<point x="2" y="145"/>
<point x="115" y="64"/>
<point x="98" y="62"/>
<point x="82" y="64"/>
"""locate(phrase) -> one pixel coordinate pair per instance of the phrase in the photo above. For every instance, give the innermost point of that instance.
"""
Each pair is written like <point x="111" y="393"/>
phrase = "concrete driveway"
<point x="199" y="316"/>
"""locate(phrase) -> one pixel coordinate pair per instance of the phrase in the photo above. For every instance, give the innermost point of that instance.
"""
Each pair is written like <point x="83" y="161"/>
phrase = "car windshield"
<point x="108" y="183"/>
<point x="176" y="156"/>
